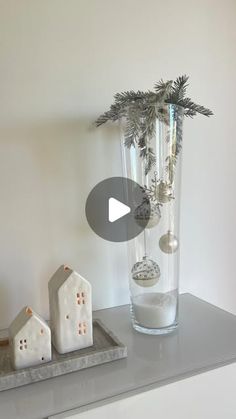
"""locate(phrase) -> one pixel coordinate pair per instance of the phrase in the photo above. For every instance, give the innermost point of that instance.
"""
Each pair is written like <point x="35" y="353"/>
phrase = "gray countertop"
<point x="205" y="339"/>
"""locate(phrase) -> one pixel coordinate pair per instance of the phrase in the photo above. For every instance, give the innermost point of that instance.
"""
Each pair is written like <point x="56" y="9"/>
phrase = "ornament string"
<point x="145" y="243"/>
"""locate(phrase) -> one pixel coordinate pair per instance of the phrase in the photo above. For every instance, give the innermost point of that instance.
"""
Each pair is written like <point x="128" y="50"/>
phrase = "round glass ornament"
<point x="168" y="243"/>
<point x="146" y="272"/>
<point x="147" y="211"/>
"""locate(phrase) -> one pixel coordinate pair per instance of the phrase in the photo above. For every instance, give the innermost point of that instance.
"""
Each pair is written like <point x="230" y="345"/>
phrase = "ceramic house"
<point x="70" y="302"/>
<point x="30" y="340"/>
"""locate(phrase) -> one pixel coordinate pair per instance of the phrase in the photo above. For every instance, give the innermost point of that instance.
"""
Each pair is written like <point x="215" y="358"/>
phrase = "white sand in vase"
<point x="155" y="310"/>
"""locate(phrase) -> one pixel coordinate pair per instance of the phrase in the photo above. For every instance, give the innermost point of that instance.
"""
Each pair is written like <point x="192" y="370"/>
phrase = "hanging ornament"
<point x="163" y="192"/>
<point x="168" y="242"/>
<point x="147" y="214"/>
<point x="146" y="272"/>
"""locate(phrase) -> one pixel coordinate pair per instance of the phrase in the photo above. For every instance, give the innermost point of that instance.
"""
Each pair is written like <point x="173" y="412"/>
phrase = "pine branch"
<point x="142" y="144"/>
<point x="150" y="160"/>
<point x="129" y="97"/>
<point x="150" y="121"/>
<point x="132" y="129"/>
<point x="178" y="89"/>
<point x="191" y="108"/>
<point x="178" y="116"/>
<point x="115" y="112"/>
<point x="142" y="109"/>
<point x="163" y="89"/>
<point x="162" y="114"/>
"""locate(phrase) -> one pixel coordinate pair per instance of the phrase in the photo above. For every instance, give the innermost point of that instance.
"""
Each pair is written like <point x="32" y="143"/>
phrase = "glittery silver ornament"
<point x="147" y="214"/>
<point x="168" y="242"/>
<point x="163" y="192"/>
<point x="146" y="272"/>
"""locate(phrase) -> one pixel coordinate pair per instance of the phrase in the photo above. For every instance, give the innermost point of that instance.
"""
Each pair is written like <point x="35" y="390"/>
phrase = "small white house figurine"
<point x="30" y="340"/>
<point x="70" y="302"/>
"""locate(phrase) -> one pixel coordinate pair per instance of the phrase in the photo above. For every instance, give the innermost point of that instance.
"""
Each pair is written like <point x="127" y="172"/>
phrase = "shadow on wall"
<point x="4" y="295"/>
<point x="46" y="172"/>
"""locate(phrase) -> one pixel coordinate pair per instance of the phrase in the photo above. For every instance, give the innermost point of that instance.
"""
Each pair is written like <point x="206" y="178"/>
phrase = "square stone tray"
<point x="106" y="348"/>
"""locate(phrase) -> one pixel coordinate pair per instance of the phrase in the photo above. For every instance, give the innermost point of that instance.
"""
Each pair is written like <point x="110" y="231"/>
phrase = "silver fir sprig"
<point x="141" y="109"/>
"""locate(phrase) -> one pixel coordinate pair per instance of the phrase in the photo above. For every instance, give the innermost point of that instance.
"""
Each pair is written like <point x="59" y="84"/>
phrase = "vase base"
<point x="152" y="331"/>
<point x="155" y="313"/>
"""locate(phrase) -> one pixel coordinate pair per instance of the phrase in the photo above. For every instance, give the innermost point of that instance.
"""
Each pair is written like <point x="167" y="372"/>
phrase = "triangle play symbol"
<point x="116" y="209"/>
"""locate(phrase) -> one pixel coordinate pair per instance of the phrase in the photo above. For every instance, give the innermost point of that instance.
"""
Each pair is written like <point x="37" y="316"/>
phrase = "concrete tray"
<point x="106" y="348"/>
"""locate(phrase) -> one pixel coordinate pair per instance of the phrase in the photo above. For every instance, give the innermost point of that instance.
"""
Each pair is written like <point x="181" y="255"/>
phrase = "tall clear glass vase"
<point x="154" y="254"/>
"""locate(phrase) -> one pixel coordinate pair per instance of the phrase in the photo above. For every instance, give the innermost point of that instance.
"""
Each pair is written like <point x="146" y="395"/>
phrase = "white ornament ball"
<point x="168" y="243"/>
<point x="163" y="192"/>
<point x="147" y="214"/>
<point x="146" y="273"/>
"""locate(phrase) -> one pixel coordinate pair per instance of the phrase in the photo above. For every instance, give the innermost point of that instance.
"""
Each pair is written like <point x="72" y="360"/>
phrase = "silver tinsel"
<point x="168" y="242"/>
<point x="147" y="214"/>
<point x="146" y="272"/>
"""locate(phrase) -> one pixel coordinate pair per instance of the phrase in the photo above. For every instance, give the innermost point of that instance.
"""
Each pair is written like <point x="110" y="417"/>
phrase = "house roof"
<point x="22" y="318"/>
<point x="60" y="277"/>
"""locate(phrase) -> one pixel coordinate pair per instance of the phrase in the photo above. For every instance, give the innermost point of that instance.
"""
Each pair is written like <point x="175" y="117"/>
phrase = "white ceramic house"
<point x="70" y="301"/>
<point x="30" y="340"/>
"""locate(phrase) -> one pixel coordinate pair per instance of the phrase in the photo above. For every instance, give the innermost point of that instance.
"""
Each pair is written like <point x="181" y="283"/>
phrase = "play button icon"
<point x="111" y="207"/>
<point x="117" y="210"/>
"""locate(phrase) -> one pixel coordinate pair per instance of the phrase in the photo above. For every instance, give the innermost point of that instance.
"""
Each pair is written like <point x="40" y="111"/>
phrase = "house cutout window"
<point x="23" y="344"/>
<point x="82" y="328"/>
<point x="80" y="298"/>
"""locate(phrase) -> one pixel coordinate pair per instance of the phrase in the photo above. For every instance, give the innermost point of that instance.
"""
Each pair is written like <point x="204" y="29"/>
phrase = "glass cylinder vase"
<point x="154" y="162"/>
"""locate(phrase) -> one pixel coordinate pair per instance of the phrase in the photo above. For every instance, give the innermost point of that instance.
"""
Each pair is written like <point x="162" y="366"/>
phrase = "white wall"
<point x="61" y="63"/>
